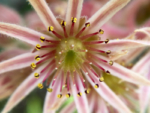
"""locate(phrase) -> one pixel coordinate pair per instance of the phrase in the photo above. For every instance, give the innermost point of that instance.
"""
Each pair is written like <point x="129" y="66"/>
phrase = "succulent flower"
<point x="70" y="54"/>
<point x="143" y="67"/>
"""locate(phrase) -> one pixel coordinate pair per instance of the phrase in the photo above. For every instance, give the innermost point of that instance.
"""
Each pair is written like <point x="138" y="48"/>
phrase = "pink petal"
<point x="124" y="73"/>
<point x="144" y="95"/>
<point x="9" y="15"/>
<point x="45" y="13"/>
<point x="8" y="83"/>
<point x="107" y="94"/>
<point x="28" y="35"/>
<point x="105" y="13"/>
<point x="145" y="30"/>
<point x="51" y="97"/>
<point x="17" y="62"/>
<point x="73" y="10"/>
<point x="143" y="64"/>
<point x="70" y="108"/>
<point x="81" y="102"/>
<point x="23" y="90"/>
<point x="123" y="44"/>
<point x="102" y="106"/>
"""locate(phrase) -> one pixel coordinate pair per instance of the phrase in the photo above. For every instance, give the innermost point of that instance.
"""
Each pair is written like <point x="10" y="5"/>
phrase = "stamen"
<point x="106" y="41"/>
<point x="50" y="53"/>
<point x="42" y="39"/>
<point x="92" y="34"/>
<point x="37" y="57"/>
<point x="68" y="95"/>
<point x="40" y="85"/>
<point x="108" y="72"/>
<point x="59" y="95"/>
<point x="86" y="25"/>
<point x="48" y="46"/>
<point x="93" y="42"/>
<point x="93" y="56"/>
<point x="74" y="20"/>
<point x="36" y="75"/>
<point x="52" y="62"/>
<point x="51" y="28"/>
<point x="108" y="52"/>
<point x="79" y="94"/>
<point x="33" y="65"/>
<point x="49" y="89"/>
<point x="101" y="31"/>
<point x="96" y="86"/>
<point x="87" y="91"/>
<point x="63" y="23"/>
<point x="96" y="50"/>
<point x="101" y="79"/>
<point x="111" y="63"/>
<point x="38" y="47"/>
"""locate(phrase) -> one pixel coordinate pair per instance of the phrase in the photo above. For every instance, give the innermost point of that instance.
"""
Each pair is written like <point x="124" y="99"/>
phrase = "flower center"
<point x="70" y="54"/>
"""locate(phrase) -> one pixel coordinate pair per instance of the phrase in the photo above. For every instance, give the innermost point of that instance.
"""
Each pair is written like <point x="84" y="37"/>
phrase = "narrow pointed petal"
<point x="45" y="13"/>
<point x="102" y="107"/>
<point x="8" y="83"/>
<point x="145" y="30"/>
<point x="69" y="108"/>
<point x="123" y="44"/>
<point x="73" y="10"/>
<point x="28" y="35"/>
<point x="107" y="94"/>
<point x="23" y="90"/>
<point x="124" y="73"/>
<point x="17" y="62"/>
<point x="143" y="64"/>
<point x="81" y="102"/>
<point x="144" y="96"/>
<point x="51" y="97"/>
<point x="105" y="13"/>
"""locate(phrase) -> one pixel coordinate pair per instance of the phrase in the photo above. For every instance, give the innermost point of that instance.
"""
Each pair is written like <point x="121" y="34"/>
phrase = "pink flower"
<point x="143" y="67"/>
<point x="71" y="55"/>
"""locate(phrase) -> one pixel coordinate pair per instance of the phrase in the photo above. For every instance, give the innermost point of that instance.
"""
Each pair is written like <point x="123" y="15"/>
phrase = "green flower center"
<point x="71" y="54"/>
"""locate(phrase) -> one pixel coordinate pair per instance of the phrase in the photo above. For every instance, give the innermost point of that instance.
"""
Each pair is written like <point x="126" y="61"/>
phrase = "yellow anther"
<point x="79" y="94"/>
<point x="40" y="85"/>
<point x="33" y="65"/>
<point x="50" y="28"/>
<point x="106" y="41"/>
<point x="65" y="41"/>
<point x="68" y="95"/>
<point x="55" y="56"/>
<point x="38" y="47"/>
<point x="49" y="89"/>
<point x="37" y="57"/>
<point x="101" y="31"/>
<point x="111" y="62"/>
<point x="87" y="24"/>
<point x="96" y="86"/>
<point x="101" y="79"/>
<point x="59" y="95"/>
<point x="63" y="23"/>
<point x="36" y="75"/>
<point x="108" y="52"/>
<point x="74" y="20"/>
<point x="42" y="39"/>
<point x="87" y="91"/>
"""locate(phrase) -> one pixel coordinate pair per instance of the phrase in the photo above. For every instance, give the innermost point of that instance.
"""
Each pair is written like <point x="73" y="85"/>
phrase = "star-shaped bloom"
<point x="70" y="54"/>
<point x="143" y="67"/>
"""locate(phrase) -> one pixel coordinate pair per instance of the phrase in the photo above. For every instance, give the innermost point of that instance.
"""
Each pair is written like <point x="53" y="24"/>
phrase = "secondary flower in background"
<point x="143" y="67"/>
<point x="70" y="53"/>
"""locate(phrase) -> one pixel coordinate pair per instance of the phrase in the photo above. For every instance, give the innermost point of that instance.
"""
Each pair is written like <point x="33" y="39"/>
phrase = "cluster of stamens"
<point x="70" y="56"/>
